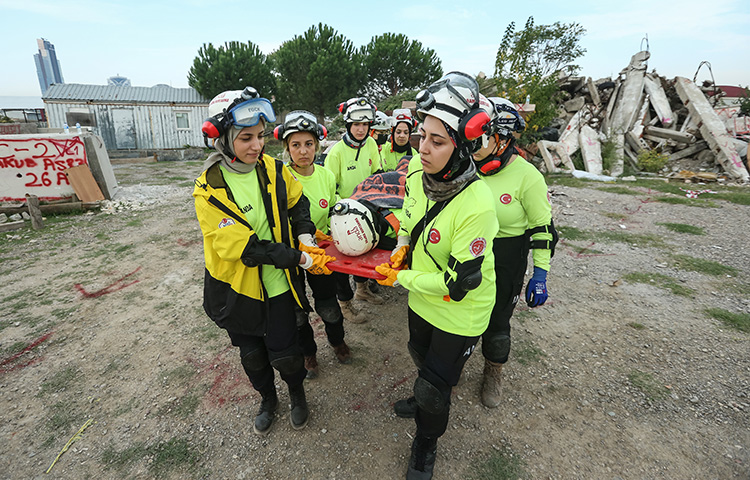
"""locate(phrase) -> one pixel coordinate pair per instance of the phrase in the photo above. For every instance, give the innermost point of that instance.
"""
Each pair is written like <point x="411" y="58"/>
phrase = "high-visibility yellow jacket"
<point x="234" y="294"/>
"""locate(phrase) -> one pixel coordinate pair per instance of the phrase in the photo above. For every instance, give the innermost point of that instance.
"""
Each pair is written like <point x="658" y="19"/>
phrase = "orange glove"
<point x="391" y="275"/>
<point x="320" y="237"/>
<point x="307" y="244"/>
<point x="398" y="258"/>
<point x="316" y="264"/>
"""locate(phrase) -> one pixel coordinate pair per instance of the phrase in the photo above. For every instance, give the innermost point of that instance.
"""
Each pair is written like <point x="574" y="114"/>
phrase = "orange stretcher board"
<point x="362" y="266"/>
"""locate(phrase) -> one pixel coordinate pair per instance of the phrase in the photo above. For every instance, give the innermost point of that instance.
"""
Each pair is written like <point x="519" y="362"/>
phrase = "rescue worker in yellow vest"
<point x="257" y="238"/>
<point x="399" y="146"/>
<point x="524" y="218"/>
<point x="351" y="160"/>
<point x="301" y="134"/>
<point x="448" y="221"/>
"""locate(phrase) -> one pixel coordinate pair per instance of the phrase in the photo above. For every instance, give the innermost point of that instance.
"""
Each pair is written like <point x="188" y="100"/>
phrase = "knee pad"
<point x="428" y="396"/>
<point x="254" y="360"/>
<point x="415" y="356"/>
<point x="289" y="364"/>
<point x="496" y="347"/>
<point x="301" y="316"/>
<point x="329" y="310"/>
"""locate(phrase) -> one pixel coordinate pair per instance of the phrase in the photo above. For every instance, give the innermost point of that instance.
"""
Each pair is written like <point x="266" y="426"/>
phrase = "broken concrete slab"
<point x="689" y="151"/>
<point x="574" y="104"/>
<point x="658" y="98"/>
<point x="659" y="132"/>
<point x="593" y="92"/>
<point x="554" y="155"/>
<point x="627" y="106"/>
<point x="712" y="129"/>
<point x="591" y="150"/>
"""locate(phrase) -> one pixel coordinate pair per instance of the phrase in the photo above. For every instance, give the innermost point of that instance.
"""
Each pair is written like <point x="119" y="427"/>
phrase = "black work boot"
<point x="422" y="461"/>
<point x="300" y="413"/>
<point x="406" y="408"/>
<point x="266" y="413"/>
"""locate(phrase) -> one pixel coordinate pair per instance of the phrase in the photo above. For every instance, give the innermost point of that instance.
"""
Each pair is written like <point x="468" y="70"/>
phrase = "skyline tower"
<point x="47" y="65"/>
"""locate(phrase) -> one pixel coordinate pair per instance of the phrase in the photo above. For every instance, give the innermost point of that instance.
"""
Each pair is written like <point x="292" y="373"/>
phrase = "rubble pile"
<point x="641" y="111"/>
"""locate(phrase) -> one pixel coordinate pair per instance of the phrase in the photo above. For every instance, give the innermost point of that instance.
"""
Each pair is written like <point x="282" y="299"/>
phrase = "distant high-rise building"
<point x="118" y="81"/>
<point x="47" y="66"/>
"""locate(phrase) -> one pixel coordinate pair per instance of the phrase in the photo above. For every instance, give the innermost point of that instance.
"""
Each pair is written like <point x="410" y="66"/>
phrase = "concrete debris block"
<point x="669" y="134"/>
<point x="25" y="216"/>
<point x="15" y="217"/>
<point x="735" y="124"/>
<point x="574" y="104"/>
<point x="593" y="92"/>
<point x="569" y="136"/>
<point x="591" y="150"/>
<point x="3" y="218"/>
<point x="689" y="151"/>
<point x="658" y="98"/>
<point x="591" y="176"/>
<point x="712" y="129"/>
<point x="554" y="155"/>
<point x="628" y="105"/>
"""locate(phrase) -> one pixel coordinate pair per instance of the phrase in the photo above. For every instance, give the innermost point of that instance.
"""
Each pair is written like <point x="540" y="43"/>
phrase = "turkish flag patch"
<point x="478" y="246"/>
<point x="434" y="236"/>
<point x="505" y="198"/>
<point x="323" y="203"/>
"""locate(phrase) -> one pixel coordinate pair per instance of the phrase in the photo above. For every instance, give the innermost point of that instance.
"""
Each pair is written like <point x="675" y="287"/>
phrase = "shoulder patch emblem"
<point x="323" y="203"/>
<point x="478" y="246"/>
<point x="505" y="198"/>
<point x="225" y="222"/>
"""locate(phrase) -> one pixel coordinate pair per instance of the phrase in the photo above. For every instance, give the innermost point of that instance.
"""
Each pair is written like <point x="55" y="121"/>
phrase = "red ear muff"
<point x="278" y="132"/>
<point x="323" y="132"/>
<point x="472" y="125"/>
<point x="489" y="167"/>
<point x="341" y="107"/>
<point x="212" y="128"/>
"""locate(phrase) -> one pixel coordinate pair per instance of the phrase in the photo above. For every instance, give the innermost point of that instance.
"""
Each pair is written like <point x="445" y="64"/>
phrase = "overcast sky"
<point x="154" y="42"/>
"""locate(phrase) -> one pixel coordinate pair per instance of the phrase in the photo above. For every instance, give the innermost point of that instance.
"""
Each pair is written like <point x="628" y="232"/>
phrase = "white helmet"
<point x="505" y="118"/>
<point x="454" y="100"/>
<point x="358" y="110"/>
<point x="353" y="228"/>
<point x="242" y="108"/>
<point x="404" y="115"/>
<point x="382" y="122"/>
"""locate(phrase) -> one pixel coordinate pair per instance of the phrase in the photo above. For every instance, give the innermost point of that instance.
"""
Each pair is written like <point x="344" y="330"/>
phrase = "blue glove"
<point x="536" y="290"/>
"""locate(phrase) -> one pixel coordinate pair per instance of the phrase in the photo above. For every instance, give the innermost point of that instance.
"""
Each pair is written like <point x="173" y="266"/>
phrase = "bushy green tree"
<point x="393" y="63"/>
<point x="232" y="66"/>
<point x="317" y="70"/>
<point x="395" y="101"/>
<point x="528" y="63"/>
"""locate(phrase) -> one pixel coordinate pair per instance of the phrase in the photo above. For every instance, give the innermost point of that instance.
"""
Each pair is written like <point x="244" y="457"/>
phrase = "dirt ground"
<point x="614" y="378"/>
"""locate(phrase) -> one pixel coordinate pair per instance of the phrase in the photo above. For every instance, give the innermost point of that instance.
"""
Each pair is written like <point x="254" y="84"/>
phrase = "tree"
<point x="394" y="63"/>
<point x="232" y="66"/>
<point x="528" y="63"/>
<point x="317" y="71"/>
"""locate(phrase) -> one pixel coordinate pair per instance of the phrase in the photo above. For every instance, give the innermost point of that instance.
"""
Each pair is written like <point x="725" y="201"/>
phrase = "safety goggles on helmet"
<point x="358" y="110"/>
<point x="300" y="121"/>
<point x="249" y="112"/>
<point x="403" y="115"/>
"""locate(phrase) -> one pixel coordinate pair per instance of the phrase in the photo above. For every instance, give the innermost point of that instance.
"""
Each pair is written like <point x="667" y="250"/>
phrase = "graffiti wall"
<point x="35" y="164"/>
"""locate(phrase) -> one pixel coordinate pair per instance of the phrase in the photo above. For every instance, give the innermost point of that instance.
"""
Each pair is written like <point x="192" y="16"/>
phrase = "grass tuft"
<point x="660" y="280"/>
<point x="709" y="267"/>
<point x="59" y="382"/>
<point x="176" y="453"/>
<point x="646" y="383"/>
<point x="525" y="353"/>
<point x="500" y="466"/>
<point x="736" y="321"/>
<point x="683" y="228"/>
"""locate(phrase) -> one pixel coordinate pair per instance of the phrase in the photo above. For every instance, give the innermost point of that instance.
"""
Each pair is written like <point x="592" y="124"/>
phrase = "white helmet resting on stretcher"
<point x="353" y="228"/>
